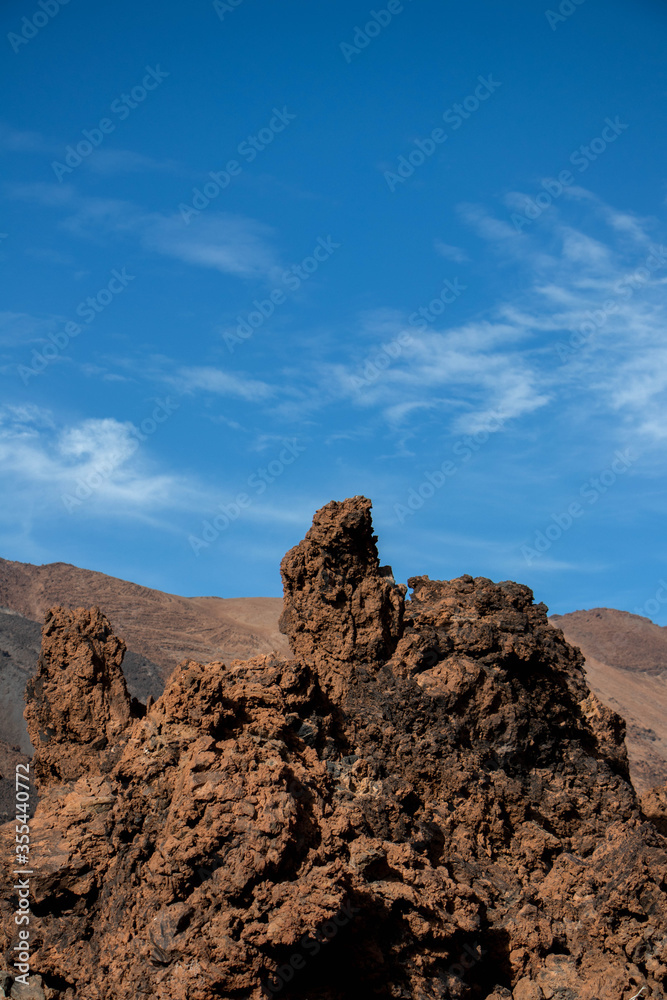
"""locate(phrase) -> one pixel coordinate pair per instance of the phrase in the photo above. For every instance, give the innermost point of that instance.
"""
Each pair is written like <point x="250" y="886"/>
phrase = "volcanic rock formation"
<point x="426" y="801"/>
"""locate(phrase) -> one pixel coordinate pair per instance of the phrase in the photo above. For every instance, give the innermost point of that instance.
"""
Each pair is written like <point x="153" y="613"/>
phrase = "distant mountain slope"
<point x="19" y="647"/>
<point x="162" y="627"/>
<point x="626" y="666"/>
<point x="618" y="638"/>
<point x="20" y="640"/>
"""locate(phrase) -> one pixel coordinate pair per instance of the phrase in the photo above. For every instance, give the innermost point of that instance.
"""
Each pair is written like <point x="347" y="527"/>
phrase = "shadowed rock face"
<point x="427" y="801"/>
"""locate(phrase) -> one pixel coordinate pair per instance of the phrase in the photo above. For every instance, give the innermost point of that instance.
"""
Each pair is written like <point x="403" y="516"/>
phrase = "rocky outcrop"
<point x="654" y="807"/>
<point x="425" y="802"/>
<point x="340" y="607"/>
<point x="77" y="703"/>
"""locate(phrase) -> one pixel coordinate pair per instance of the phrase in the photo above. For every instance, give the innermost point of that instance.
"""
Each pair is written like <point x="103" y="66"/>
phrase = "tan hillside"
<point x="626" y="666"/>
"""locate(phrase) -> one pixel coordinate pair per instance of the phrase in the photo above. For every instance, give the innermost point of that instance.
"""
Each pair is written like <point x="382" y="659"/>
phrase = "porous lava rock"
<point x="77" y="704"/>
<point x="426" y="801"/>
<point x="340" y="607"/>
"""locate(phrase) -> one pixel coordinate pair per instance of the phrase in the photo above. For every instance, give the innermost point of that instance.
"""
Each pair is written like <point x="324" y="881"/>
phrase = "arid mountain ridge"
<point x="162" y="627"/>
<point x="423" y="800"/>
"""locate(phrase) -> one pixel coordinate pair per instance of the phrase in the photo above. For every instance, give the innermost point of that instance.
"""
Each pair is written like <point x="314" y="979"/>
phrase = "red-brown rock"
<point x="77" y="703"/>
<point x="340" y="607"/>
<point x="427" y="801"/>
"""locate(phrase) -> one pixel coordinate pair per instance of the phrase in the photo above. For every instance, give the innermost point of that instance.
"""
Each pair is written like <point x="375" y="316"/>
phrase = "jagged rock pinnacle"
<point x="77" y="703"/>
<point x="341" y="607"/>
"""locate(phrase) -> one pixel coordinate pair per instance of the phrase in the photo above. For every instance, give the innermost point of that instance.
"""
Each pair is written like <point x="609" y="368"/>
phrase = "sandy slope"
<point x="163" y="627"/>
<point x="626" y="665"/>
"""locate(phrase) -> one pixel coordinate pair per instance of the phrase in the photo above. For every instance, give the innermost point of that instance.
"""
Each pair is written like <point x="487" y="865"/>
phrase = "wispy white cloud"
<point x="221" y="241"/>
<point x="97" y="461"/>
<point x="22" y="141"/>
<point x="126" y="161"/>
<point x="24" y="420"/>
<point x="526" y="351"/>
<point x="103" y="160"/>
<point x="45" y="193"/>
<point x="581" y="266"/>
<point x="50" y="256"/>
<point x="485" y="224"/>
<point x="597" y="287"/>
<point x="468" y="373"/>
<point x="485" y="552"/>
<point x="221" y="383"/>
<point x="232" y="244"/>
<point x="17" y="328"/>
<point x="450" y="252"/>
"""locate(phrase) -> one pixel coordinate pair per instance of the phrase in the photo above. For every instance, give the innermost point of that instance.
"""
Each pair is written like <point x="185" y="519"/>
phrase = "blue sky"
<point x="260" y="256"/>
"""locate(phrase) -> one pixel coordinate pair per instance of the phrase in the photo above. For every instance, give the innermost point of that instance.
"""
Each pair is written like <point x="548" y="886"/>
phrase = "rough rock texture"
<point x="619" y="648"/>
<point x="77" y="703"/>
<point x="341" y="608"/>
<point x="20" y="642"/>
<point x="654" y="807"/>
<point x="425" y="802"/>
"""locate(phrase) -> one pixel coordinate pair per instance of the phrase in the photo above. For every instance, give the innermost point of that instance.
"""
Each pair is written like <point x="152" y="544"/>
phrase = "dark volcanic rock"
<point x="10" y="756"/>
<point x="426" y="802"/>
